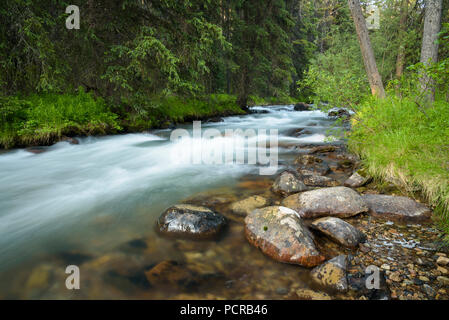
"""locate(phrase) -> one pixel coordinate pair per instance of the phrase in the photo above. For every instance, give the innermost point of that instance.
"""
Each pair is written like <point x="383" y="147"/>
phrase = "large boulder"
<point x="281" y="234"/>
<point x="396" y="208"/>
<point x="332" y="274"/>
<point x="190" y="221"/>
<point x="339" y="202"/>
<point x="246" y="206"/>
<point x="340" y="231"/>
<point x="287" y="183"/>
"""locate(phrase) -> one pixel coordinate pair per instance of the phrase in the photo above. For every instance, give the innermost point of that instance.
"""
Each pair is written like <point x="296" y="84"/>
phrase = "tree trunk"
<point x="400" y="61"/>
<point x="429" y="50"/>
<point x="374" y="78"/>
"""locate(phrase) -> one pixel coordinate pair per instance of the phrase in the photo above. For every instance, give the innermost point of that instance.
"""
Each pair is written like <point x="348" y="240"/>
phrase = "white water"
<point x="50" y="201"/>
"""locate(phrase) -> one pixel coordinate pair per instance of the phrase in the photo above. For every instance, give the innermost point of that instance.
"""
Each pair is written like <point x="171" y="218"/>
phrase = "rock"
<point x="385" y="266"/>
<point x="396" y="208"/>
<point x="191" y="221"/>
<point x="339" y="202"/>
<point x="323" y="149"/>
<point x="395" y="276"/>
<point x="281" y="234"/>
<point x="245" y="206"/>
<point x="340" y="231"/>
<point x="301" y="106"/>
<point x="356" y="181"/>
<point x="442" y="270"/>
<point x="315" y="180"/>
<point x="332" y="274"/>
<point x="443" y="280"/>
<point x="36" y="150"/>
<point x="307" y="160"/>
<point x="172" y="273"/>
<point x="307" y="294"/>
<point x="339" y="113"/>
<point x="287" y="183"/>
<point x="442" y="261"/>
<point x="431" y="293"/>
<point x="320" y="169"/>
<point x="70" y="140"/>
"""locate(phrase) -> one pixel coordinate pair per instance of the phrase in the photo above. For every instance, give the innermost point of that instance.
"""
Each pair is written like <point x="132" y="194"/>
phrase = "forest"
<point x="138" y="65"/>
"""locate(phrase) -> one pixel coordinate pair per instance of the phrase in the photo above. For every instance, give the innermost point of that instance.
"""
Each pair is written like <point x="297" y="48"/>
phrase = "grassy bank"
<point x="43" y="119"/>
<point x="409" y="146"/>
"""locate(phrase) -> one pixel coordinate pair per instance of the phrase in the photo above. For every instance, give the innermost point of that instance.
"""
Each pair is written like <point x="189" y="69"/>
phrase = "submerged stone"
<point x="246" y="206"/>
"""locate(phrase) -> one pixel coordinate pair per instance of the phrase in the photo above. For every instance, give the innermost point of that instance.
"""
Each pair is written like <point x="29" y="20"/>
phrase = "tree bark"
<point x="429" y="50"/>
<point x="374" y="78"/>
<point x="400" y="61"/>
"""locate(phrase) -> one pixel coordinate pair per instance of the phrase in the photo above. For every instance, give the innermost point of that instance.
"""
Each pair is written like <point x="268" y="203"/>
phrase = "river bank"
<point x="107" y="223"/>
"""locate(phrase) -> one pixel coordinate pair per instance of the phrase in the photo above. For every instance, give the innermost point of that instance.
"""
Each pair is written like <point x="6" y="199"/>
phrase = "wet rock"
<point x="339" y="202"/>
<point x="396" y="208"/>
<point x="70" y="140"/>
<point x="443" y="280"/>
<point x="307" y="160"/>
<point x="307" y="294"/>
<point x="315" y="180"/>
<point x="281" y="234"/>
<point x="287" y="183"/>
<point x="191" y="221"/>
<point x="340" y="231"/>
<point x="442" y="261"/>
<point x="356" y="180"/>
<point x="301" y="106"/>
<point x="323" y="149"/>
<point x="431" y="293"/>
<point x="339" y="113"/>
<point x="246" y="206"/>
<point x="332" y="274"/>
<point x="36" y="150"/>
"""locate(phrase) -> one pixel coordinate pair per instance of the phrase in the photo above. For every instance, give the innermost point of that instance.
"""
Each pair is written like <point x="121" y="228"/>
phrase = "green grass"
<point x="400" y="143"/>
<point x="43" y="119"/>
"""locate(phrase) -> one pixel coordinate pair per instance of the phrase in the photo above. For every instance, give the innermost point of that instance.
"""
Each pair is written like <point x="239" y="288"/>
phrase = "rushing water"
<point x="86" y="200"/>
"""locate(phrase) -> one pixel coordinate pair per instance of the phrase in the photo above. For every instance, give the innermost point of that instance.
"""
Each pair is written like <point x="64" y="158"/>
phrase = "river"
<point x="76" y="204"/>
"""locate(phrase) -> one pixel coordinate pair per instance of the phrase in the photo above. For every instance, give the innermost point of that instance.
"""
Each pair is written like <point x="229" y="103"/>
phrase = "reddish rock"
<point x="281" y="234"/>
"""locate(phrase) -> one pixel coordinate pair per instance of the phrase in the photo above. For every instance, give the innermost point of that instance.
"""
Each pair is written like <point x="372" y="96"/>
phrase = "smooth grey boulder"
<point x="281" y="234"/>
<point x="332" y="274"/>
<point x="396" y="208"/>
<point x="339" y="202"/>
<point x="287" y="183"/>
<point x="340" y="231"/>
<point x="190" y="221"/>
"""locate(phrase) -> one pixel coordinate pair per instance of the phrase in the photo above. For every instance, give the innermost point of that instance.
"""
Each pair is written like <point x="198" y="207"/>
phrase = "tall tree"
<point x="400" y="61"/>
<point x="374" y="78"/>
<point x="429" y="50"/>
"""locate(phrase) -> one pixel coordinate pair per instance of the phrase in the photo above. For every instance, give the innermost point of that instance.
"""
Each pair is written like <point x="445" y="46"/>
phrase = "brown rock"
<point x="281" y="234"/>
<point x="245" y="206"/>
<point x="332" y="274"/>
